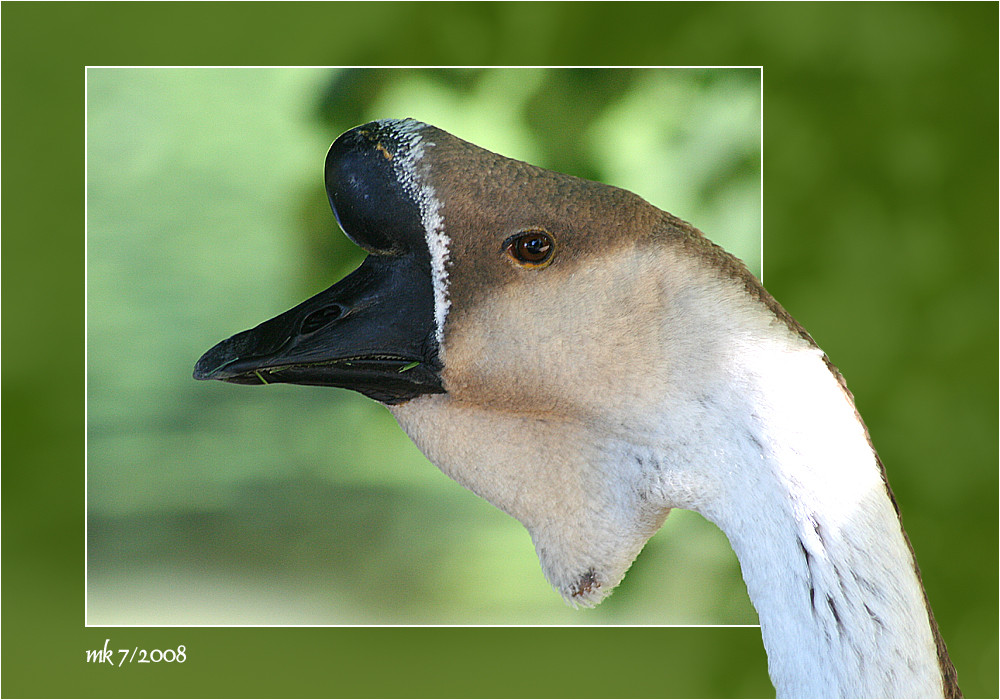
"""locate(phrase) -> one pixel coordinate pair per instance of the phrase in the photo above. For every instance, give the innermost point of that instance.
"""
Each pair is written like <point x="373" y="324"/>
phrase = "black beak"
<point x="373" y="331"/>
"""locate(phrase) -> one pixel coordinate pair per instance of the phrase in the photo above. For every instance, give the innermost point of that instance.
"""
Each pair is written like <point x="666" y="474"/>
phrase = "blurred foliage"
<point x="214" y="503"/>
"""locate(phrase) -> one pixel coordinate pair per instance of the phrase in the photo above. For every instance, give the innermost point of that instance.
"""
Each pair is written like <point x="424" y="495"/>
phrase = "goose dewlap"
<point x="586" y="362"/>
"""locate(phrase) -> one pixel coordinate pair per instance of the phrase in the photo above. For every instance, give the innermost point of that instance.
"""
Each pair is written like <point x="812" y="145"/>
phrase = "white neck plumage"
<point x="711" y="399"/>
<point x="809" y="516"/>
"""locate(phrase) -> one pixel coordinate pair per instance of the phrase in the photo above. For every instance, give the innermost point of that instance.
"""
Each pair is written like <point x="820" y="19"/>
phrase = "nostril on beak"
<point x="321" y="317"/>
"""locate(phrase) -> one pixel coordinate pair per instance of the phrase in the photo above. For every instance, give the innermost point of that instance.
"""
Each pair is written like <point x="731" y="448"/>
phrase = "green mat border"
<point x="45" y="49"/>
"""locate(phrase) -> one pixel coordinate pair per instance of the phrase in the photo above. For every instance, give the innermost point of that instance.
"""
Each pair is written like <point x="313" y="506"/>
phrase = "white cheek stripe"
<point x="405" y="166"/>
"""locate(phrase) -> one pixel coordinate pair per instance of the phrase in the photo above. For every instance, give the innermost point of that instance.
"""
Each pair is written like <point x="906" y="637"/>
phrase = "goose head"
<point x="506" y="315"/>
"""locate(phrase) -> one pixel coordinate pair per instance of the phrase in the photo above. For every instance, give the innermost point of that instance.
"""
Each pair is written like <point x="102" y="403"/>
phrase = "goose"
<point x="586" y="362"/>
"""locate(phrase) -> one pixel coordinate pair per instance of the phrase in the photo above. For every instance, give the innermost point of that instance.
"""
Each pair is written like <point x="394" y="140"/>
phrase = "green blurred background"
<point x="221" y="504"/>
<point x="880" y="228"/>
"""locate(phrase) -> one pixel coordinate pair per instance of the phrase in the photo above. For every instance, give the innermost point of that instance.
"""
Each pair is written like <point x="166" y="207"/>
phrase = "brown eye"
<point x="532" y="248"/>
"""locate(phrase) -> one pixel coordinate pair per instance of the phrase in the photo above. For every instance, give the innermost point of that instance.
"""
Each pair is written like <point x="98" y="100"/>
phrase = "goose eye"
<point x="533" y="248"/>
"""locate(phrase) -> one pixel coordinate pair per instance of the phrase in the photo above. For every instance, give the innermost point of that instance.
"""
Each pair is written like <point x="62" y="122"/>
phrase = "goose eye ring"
<point x="533" y="248"/>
